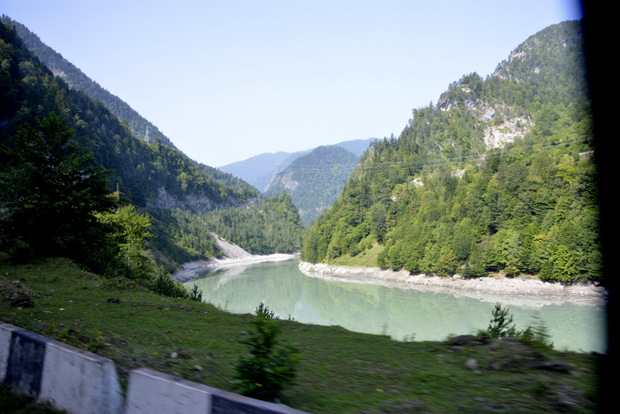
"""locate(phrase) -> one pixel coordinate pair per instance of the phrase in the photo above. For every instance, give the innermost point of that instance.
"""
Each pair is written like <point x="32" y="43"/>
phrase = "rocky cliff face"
<point x="284" y="182"/>
<point x="192" y="201"/>
<point x="496" y="136"/>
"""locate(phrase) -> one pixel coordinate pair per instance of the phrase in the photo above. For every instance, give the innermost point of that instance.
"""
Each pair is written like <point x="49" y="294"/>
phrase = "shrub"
<point x="270" y="367"/>
<point x="166" y="286"/>
<point x="195" y="293"/>
<point x="263" y="310"/>
<point x="501" y="324"/>
<point x="537" y="335"/>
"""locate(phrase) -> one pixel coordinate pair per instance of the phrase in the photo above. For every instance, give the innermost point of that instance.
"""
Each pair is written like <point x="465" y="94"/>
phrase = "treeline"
<point x="271" y="226"/>
<point x="440" y="200"/>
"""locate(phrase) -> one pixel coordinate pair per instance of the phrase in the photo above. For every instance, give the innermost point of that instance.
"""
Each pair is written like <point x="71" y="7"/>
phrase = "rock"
<point x="554" y="366"/>
<point x="22" y="301"/>
<point x="180" y="353"/>
<point x="472" y="364"/>
<point x="462" y="340"/>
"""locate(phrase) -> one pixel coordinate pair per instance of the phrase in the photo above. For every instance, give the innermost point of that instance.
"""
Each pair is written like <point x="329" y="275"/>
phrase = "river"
<point x="402" y="313"/>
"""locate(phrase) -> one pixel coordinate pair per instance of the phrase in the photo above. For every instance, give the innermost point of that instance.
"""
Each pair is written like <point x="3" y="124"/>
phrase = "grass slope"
<point x="340" y="372"/>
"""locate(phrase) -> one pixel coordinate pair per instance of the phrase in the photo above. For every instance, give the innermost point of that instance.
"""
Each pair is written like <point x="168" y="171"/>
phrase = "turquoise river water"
<point x="403" y="314"/>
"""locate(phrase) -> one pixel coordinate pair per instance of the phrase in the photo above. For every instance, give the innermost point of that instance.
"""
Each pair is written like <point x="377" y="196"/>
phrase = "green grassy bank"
<point x="340" y="371"/>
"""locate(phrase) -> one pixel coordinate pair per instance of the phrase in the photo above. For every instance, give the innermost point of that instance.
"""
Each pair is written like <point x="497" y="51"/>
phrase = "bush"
<point x="263" y="311"/>
<point x="166" y="286"/>
<point x="195" y="293"/>
<point x="270" y="367"/>
<point x="501" y="324"/>
<point x="538" y="335"/>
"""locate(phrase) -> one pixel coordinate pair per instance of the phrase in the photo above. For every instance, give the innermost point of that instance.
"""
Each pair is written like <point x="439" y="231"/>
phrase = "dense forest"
<point x="153" y="177"/>
<point x="315" y="180"/>
<point x="497" y="176"/>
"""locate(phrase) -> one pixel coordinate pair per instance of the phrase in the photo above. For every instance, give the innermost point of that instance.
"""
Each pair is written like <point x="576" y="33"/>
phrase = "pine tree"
<point x="49" y="192"/>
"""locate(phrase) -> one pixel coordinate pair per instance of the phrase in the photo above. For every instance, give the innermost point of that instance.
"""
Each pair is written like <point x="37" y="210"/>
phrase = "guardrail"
<point x="80" y="382"/>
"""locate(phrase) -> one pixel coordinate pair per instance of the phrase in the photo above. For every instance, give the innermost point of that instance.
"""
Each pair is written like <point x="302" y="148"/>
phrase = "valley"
<point x="490" y="195"/>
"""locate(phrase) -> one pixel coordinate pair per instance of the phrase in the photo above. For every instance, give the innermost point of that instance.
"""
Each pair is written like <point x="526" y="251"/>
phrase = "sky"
<point x="228" y="80"/>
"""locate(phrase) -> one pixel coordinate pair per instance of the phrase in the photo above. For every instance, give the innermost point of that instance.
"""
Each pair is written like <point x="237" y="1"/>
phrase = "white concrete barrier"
<point x="24" y="359"/>
<point x="81" y="382"/>
<point x="70" y="379"/>
<point x="6" y="333"/>
<point x="152" y="392"/>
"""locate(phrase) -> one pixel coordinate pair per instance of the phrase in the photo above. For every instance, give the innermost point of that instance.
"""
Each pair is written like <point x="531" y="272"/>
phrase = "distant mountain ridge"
<point x="261" y="169"/>
<point x="315" y="180"/>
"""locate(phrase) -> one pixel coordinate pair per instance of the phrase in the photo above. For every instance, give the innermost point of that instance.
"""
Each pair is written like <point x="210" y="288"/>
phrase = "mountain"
<point x="140" y="127"/>
<point x="155" y="177"/>
<point x="76" y="79"/>
<point x="148" y="174"/>
<point x="315" y="180"/>
<point x="261" y="169"/>
<point x="356" y="146"/>
<point x="498" y="176"/>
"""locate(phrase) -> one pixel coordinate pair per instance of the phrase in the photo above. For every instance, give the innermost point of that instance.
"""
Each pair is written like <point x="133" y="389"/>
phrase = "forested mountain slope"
<point x="260" y="169"/>
<point x="140" y="127"/>
<point x="76" y="79"/>
<point x="498" y="176"/>
<point x="155" y="177"/>
<point x="143" y="171"/>
<point x="315" y="180"/>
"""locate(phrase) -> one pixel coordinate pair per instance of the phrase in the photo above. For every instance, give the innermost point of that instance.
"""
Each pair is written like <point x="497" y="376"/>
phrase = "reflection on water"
<point x="377" y="309"/>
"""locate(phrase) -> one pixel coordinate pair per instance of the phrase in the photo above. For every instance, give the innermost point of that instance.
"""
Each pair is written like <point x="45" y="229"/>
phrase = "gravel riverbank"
<point x="520" y="290"/>
<point x="191" y="270"/>
<point x="233" y="256"/>
<point x="512" y="290"/>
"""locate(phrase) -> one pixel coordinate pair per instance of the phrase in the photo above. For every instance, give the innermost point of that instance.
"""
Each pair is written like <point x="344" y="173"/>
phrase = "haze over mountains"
<point x="315" y="180"/>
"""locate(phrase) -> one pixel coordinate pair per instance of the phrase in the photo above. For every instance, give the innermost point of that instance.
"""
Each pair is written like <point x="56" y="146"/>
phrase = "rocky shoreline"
<point x="233" y="256"/>
<point x="516" y="290"/>
<point x="520" y="290"/>
<point x="192" y="270"/>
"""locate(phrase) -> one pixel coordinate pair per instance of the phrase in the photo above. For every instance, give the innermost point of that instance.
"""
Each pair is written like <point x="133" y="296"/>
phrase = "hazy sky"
<point x="227" y="80"/>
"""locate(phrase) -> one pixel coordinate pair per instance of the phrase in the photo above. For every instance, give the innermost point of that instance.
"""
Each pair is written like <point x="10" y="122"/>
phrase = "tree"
<point x="270" y="367"/>
<point x="501" y="325"/>
<point x="129" y="234"/>
<point x="49" y="192"/>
